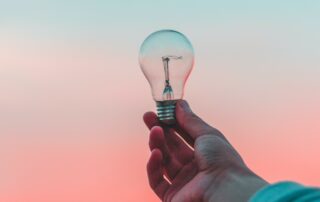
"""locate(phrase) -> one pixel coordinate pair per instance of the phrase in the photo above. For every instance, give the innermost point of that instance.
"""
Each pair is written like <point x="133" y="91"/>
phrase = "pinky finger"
<point x="155" y="174"/>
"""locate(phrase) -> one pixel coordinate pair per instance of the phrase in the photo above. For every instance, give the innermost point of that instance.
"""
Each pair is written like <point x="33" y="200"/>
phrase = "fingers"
<point x="177" y="147"/>
<point x="190" y="124"/>
<point x="186" y="137"/>
<point x="155" y="174"/>
<point x="157" y="140"/>
<point x="150" y="119"/>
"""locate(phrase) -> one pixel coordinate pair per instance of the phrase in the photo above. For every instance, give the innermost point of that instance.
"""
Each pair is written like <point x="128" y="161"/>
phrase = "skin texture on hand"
<point x="192" y="161"/>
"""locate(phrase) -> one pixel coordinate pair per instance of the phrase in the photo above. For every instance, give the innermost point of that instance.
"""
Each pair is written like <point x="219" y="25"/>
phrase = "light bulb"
<point x="166" y="58"/>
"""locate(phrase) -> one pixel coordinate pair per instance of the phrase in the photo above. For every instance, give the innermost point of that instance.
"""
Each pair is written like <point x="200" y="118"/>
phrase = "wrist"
<point x="233" y="185"/>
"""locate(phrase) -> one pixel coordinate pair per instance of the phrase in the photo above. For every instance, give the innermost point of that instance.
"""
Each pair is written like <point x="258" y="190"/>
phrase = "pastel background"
<point x="72" y="94"/>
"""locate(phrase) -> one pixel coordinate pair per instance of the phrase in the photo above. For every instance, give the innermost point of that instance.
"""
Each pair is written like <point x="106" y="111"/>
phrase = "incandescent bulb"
<point x="166" y="58"/>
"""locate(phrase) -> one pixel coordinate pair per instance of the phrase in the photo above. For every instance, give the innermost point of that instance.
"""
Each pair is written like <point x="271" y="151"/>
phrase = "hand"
<point x="209" y="169"/>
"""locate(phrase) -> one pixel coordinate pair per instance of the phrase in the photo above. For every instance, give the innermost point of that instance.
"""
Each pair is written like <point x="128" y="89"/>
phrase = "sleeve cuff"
<point x="286" y="191"/>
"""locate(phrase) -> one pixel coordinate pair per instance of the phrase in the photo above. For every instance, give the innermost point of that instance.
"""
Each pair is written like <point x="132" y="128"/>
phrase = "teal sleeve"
<point x="287" y="192"/>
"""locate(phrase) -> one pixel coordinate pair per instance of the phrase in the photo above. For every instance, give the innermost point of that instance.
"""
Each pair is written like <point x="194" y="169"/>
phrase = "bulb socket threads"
<point x="166" y="111"/>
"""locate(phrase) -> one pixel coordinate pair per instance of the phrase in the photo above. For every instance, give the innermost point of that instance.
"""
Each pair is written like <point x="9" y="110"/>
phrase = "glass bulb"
<point x="166" y="58"/>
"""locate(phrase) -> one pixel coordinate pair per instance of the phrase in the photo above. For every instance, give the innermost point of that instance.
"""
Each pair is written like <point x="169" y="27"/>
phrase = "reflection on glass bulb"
<point x="166" y="59"/>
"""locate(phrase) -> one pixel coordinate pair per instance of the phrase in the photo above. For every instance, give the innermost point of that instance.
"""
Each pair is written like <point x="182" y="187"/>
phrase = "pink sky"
<point x="72" y="101"/>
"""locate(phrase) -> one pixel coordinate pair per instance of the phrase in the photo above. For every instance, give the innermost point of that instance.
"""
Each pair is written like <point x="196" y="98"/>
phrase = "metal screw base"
<point x="166" y="111"/>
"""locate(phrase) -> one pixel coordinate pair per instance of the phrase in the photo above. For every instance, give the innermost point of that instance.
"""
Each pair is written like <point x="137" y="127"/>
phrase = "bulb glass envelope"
<point x="166" y="59"/>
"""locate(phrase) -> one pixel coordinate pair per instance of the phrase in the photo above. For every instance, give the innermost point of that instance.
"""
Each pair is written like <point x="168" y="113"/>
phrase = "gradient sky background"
<point x="72" y="94"/>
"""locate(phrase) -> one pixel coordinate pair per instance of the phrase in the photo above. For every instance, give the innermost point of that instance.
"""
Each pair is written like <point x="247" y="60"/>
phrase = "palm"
<point x="190" y="189"/>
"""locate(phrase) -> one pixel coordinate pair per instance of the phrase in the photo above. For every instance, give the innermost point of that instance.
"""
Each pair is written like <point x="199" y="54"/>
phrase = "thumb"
<point x="190" y="123"/>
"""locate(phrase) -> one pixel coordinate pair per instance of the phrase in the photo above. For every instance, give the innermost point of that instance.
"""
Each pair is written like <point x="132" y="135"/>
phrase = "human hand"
<point x="210" y="169"/>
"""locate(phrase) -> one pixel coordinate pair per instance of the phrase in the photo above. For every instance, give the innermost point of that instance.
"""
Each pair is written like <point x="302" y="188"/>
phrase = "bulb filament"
<point x="168" y="92"/>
